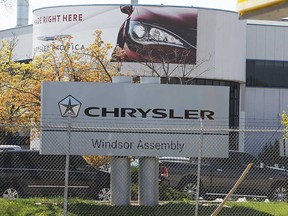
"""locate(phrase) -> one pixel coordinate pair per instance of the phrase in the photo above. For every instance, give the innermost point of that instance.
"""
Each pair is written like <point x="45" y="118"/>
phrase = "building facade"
<point x="250" y="57"/>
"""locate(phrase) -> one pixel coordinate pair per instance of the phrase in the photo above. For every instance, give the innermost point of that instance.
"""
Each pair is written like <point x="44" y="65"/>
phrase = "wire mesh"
<point x="33" y="183"/>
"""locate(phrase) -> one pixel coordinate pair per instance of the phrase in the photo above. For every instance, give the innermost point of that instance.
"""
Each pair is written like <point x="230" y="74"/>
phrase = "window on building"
<point x="264" y="73"/>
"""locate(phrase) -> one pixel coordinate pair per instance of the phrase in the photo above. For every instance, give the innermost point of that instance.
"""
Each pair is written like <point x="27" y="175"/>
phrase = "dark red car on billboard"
<point x="159" y="34"/>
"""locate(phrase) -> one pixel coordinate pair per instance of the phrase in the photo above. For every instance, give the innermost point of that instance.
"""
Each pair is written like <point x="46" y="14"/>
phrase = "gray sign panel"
<point x="134" y="119"/>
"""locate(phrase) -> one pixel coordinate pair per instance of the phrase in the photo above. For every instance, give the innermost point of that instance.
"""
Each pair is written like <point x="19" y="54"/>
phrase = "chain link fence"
<point x="32" y="183"/>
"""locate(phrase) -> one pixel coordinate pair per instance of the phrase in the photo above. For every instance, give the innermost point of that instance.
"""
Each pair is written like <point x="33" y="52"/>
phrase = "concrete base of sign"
<point x="148" y="181"/>
<point x="149" y="168"/>
<point x="120" y="169"/>
<point x="120" y="181"/>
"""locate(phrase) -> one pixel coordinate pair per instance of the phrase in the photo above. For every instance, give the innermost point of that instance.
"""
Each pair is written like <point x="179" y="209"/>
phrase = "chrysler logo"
<point x="69" y="106"/>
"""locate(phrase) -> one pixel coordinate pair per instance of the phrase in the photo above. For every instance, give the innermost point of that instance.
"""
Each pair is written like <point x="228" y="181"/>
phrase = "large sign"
<point x="134" y="119"/>
<point x="170" y="32"/>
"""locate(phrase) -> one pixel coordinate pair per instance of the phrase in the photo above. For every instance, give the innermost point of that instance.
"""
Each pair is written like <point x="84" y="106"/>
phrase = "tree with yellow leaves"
<point x="21" y="82"/>
<point x="15" y="95"/>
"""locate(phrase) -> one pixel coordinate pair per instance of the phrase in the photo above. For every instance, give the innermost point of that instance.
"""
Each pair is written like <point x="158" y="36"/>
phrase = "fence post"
<point x="120" y="169"/>
<point x="67" y="167"/>
<point x="199" y="169"/>
<point x="149" y="168"/>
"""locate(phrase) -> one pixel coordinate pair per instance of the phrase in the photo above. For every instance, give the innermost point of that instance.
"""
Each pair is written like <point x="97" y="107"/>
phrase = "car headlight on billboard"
<point x="148" y="34"/>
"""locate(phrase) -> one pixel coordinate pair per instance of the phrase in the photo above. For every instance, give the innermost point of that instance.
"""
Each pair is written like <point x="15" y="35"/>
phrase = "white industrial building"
<point x="251" y="57"/>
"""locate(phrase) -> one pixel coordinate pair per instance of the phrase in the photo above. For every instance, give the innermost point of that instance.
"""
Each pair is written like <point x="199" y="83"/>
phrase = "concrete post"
<point x="149" y="168"/>
<point x="120" y="169"/>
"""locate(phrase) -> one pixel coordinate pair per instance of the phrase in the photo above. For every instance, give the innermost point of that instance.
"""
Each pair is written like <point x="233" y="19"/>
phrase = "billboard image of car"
<point x="145" y="33"/>
<point x="159" y="34"/>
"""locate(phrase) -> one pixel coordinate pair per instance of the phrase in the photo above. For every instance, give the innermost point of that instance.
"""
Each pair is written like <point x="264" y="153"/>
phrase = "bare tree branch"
<point x="167" y="63"/>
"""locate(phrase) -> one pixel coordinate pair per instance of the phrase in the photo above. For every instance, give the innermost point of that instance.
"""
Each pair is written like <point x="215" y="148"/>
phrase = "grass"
<point x="54" y="207"/>
<point x="271" y="208"/>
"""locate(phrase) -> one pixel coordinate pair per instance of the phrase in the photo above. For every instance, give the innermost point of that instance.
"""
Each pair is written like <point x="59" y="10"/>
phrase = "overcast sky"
<point x="8" y="17"/>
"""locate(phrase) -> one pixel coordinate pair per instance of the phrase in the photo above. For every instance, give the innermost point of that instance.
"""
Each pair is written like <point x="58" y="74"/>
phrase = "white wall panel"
<point x="279" y="42"/>
<point x="206" y="42"/>
<point x="285" y="45"/>
<point x="221" y="34"/>
<point x="259" y="104"/>
<point x="283" y="102"/>
<point x="24" y="36"/>
<point x="24" y="47"/>
<point x="264" y="104"/>
<point x="271" y="104"/>
<point x="269" y="43"/>
<point x="251" y="45"/>
<point x="260" y="42"/>
<point x="233" y="49"/>
<point x="263" y="110"/>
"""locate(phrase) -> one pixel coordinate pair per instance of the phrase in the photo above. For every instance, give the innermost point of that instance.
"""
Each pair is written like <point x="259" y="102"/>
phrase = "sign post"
<point x="120" y="169"/>
<point x="199" y="170"/>
<point x="149" y="168"/>
<point x="67" y="167"/>
<point x="69" y="107"/>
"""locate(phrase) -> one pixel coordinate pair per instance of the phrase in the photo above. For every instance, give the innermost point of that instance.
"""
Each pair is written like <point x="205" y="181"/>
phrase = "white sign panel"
<point x="134" y="119"/>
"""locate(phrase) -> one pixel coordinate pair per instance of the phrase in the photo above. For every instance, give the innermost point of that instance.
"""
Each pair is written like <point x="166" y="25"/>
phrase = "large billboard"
<point x="145" y="33"/>
<point x="134" y="119"/>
